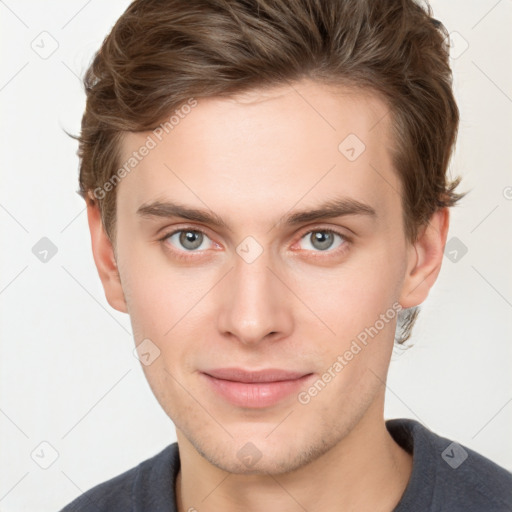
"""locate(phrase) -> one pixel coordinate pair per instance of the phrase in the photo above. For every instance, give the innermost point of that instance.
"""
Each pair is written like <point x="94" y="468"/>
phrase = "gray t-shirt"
<point x="446" y="476"/>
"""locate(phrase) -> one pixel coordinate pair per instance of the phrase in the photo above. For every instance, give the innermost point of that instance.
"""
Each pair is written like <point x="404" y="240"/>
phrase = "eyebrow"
<point x="327" y="210"/>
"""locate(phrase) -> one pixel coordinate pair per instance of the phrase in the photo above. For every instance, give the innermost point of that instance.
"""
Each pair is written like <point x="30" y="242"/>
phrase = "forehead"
<point x="296" y="143"/>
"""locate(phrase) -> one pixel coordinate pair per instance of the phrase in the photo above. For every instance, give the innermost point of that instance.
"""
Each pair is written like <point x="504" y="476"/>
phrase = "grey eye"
<point x="188" y="239"/>
<point x="191" y="240"/>
<point x="322" y="240"/>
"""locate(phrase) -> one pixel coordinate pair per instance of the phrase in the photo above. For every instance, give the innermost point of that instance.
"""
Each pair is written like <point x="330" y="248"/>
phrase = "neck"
<point x="366" y="470"/>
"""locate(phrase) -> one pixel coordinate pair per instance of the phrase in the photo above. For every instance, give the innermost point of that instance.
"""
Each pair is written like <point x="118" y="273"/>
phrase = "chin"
<point x="261" y="453"/>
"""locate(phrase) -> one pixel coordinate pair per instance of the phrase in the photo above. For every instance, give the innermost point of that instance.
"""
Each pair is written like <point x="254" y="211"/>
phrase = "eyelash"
<point x="181" y="254"/>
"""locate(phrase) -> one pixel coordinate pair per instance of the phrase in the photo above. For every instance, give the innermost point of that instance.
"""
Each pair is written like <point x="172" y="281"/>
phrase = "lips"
<point x="255" y="389"/>
<point x="266" y="375"/>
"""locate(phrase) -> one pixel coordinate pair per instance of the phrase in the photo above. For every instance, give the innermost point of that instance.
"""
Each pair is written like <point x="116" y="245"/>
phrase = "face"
<point x="255" y="282"/>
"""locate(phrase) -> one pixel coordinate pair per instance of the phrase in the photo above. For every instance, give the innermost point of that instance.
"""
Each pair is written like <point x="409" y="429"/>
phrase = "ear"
<point x="104" y="259"/>
<point x="425" y="259"/>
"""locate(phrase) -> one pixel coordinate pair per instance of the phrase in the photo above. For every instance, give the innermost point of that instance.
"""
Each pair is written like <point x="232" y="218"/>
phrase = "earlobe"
<point x="425" y="259"/>
<point x="104" y="259"/>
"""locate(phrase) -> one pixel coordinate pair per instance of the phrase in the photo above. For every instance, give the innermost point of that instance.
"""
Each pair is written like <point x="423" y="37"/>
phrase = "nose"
<point x="254" y="303"/>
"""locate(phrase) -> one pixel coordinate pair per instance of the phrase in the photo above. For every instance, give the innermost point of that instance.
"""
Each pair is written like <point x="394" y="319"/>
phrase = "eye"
<point x="322" y="240"/>
<point x="188" y="239"/>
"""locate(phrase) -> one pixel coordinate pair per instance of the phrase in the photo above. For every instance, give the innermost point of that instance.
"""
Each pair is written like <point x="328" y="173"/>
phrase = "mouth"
<point x="255" y="389"/>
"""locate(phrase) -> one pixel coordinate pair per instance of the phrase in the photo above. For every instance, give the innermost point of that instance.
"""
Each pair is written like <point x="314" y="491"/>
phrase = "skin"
<point x="253" y="159"/>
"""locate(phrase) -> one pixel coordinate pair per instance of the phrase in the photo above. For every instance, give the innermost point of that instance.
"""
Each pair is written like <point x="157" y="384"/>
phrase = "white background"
<point x="67" y="372"/>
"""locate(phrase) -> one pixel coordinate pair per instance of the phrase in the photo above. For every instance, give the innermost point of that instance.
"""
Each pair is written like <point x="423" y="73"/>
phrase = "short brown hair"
<point x="161" y="53"/>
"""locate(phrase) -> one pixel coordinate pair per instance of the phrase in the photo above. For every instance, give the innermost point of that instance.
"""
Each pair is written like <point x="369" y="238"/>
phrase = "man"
<point x="268" y="201"/>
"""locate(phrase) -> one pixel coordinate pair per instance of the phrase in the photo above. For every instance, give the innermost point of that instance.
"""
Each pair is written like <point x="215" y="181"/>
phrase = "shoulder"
<point x="151" y="481"/>
<point x="459" y="478"/>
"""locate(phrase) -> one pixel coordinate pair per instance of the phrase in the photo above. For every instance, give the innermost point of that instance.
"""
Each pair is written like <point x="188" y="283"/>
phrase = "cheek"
<point x="351" y="296"/>
<point x="166" y="304"/>
<point x="152" y="288"/>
